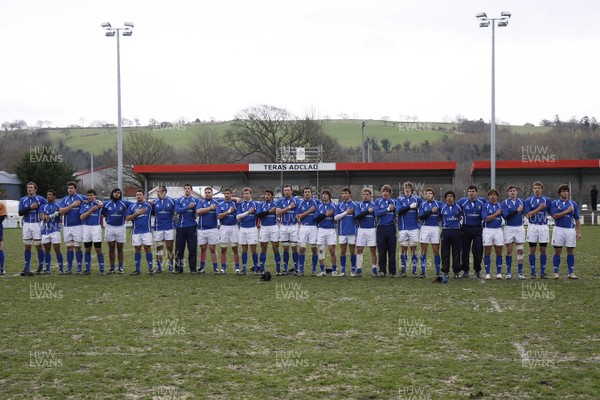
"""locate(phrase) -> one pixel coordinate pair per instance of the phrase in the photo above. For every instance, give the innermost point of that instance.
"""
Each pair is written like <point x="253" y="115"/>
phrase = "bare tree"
<point x="258" y="132"/>
<point x="143" y="148"/>
<point x="208" y="147"/>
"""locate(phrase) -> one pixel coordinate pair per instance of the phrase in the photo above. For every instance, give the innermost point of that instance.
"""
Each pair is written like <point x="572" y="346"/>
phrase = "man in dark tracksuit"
<point x="472" y="231"/>
<point x="187" y="230"/>
<point x="385" y="212"/>
<point x="451" y="215"/>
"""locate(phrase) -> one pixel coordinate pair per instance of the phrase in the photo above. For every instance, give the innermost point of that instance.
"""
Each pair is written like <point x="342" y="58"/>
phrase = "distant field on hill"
<point x="347" y="132"/>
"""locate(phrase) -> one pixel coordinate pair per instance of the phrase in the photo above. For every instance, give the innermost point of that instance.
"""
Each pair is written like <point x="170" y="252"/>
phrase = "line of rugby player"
<point x="472" y="225"/>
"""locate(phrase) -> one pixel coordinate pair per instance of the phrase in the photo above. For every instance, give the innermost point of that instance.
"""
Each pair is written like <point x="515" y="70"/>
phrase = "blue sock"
<point x="216" y="266"/>
<point x="223" y="267"/>
<point x="255" y="260"/>
<point x="543" y="261"/>
<point x="79" y="259"/>
<point x="334" y="268"/>
<point x="423" y="263"/>
<point x="120" y="266"/>
<point x="374" y="270"/>
<point x="244" y="261"/>
<point x="322" y="267"/>
<point x="202" y="264"/>
<point x="278" y="261"/>
<point x="263" y="260"/>
<point x="286" y="259"/>
<point x="343" y="263"/>
<point x="556" y="263"/>
<point x="520" y="267"/>
<point x="137" y="257"/>
<point x="88" y="261"/>
<point x="170" y="265"/>
<point x="571" y="262"/>
<point x="301" y="259"/>
<point x="2" y="260"/>
<point x="100" y="258"/>
<point x="149" y="260"/>
<point x="158" y="264"/>
<point x="498" y="264"/>
<point x="70" y="258"/>
<point x="40" y="254"/>
<point x="48" y="260"/>
<point x="296" y="259"/>
<point x="415" y="262"/>
<point x="508" y="265"/>
<point x="532" y="264"/>
<point x="315" y="261"/>
<point x="59" y="258"/>
<point x="27" y="256"/>
<point x="437" y="260"/>
<point x="403" y="258"/>
<point x="487" y="262"/>
<point x="352" y="263"/>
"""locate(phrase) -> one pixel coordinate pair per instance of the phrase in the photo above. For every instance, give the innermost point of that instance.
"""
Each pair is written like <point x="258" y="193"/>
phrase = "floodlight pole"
<point x="363" y="141"/>
<point x="484" y="23"/>
<point x="126" y="30"/>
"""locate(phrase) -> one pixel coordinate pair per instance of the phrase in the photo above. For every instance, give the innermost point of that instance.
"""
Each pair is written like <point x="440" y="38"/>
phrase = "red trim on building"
<point x="189" y="168"/>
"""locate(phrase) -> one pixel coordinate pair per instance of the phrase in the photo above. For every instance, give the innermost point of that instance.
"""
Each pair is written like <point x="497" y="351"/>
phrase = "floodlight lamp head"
<point x="127" y="33"/>
<point x="506" y="14"/>
<point x="129" y="24"/>
<point x="481" y="15"/>
<point x="105" y="25"/>
<point x="110" y="33"/>
<point x="484" y="24"/>
<point x="503" y="23"/>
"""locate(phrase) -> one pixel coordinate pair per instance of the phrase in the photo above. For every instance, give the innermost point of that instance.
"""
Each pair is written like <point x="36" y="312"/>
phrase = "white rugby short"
<point x="366" y="237"/>
<point x="307" y="234"/>
<point x="228" y="234"/>
<point x="350" y="239"/>
<point x="326" y="236"/>
<point x="167" y="234"/>
<point x="269" y="233"/>
<point x="53" y="238"/>
<point x="288" y="233"/>
<point x="32" y="231"/>
<point x="248" y="235"/>
<point x="210" y="236"/>
<point x="92" y="233"/>
<point x="73" y="234"/>
<point x="564" y="237"/>
<point x="138" y="239"/>
<point x="537" y="233"/>
<point x="411" y="236"/>
<point x="514" y="234"/>
<point x="114" y="233"/>
<point x="430" y="234"/>
<point x="492" y="237"/>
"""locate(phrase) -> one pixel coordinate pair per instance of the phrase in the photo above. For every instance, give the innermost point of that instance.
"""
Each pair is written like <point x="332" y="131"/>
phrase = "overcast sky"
<point x="367" y="59"/>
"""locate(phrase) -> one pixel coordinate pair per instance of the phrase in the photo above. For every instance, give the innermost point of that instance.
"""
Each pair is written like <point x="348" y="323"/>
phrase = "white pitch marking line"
<point x="522" y="352"/>
<point x="495" y="305"/>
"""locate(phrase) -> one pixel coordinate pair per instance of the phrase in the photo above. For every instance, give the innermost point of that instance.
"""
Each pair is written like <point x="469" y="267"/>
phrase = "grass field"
<point x="233" y="337"/>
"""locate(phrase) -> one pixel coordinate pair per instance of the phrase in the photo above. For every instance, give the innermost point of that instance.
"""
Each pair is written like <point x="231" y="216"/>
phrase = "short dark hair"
<point x="430" y="189"/>
<point x="92" y="191"/>
<point x="162" y="188"/>
<point x="32" y="184"/>
<point x="562" y="187"/>
<point x="270" y="191"/>
<point x="472" y="187"/>
<point x="538" y="183"/>
<point x="52" y="192"/>
<point x="72" y="183"/>
<point x="493" y="191"/>
<point x="327" y="192"/>
<point x="450" y="193"/>
<point x="186" y="185"/>
<point x="346" y="189"/>
<point x="511" y="187"/>
<point x="139" y="191"/>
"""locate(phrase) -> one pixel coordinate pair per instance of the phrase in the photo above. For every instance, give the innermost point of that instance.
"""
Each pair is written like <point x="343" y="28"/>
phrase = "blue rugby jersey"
<point x="532" y="203"/>
<point x="425" y="211"/>
<point x="511" y="216"/>
<point x="225" y="206"/>
<point x="209" y="219"/>
<point x="141" y="223"/>
<point x="271" y="218"/>
<point x="304" y="205"/>
<point x="365" y="218"/>
<point x="187" y="215"/>
<point x="490" y="209"/>
<point x="451" y="216"/>
<point x="26" y="202"/>
<point x="289" y="217"/>
<point x="53" y="224"/>
<point x="408" y="218"/>
<point x="114" y="212"/>
<point x="568" y="220"/>
<point x="163" y="210"/>
<point x="95" y="217"/>
<point x="71" y="218"/>
<point x="384" y="216"/>
<point x="347" y="224"/>
<point x="328" y="222"/>
<point x="472" y="210"/>
<point x="249" y="221"/>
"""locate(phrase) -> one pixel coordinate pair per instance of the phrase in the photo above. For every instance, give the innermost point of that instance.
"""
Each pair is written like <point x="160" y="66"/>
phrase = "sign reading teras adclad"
<point x="291" y="167"/>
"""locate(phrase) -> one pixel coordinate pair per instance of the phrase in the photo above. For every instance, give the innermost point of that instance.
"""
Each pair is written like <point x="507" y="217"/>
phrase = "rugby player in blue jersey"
<point x="385" y="211"/>
<point x="248" y="236"/>
<point x="269" y="231"/>
<point x="51" y="224"/>
<point x="537" y="208"/>
<point x="29" y="207"/>
<point x="288" y="231"/>
<point x="307" y="234"/>
<point x="451" y="214"/>
<point x="366" y="235"/>
<point x="91" y="216"/>
<point x="567" y="230"/>
<point x="208" y="233"/>
<point x="429" y="213"/>
<point x="114" y="212"/>
<point x="228" y="230"/>
<point x="514" y="231"/>
<point x="140" y="214"/>
<point x="72" y="225"/>
<point x="163" y="210"/>
<point x="186" y="232"/>
<point x="326" y="236"/>
<point x="345" y="215"/>
<point x="408" y="226"/>
<point x="472" y="230"/>
<point x="492" y="234"/>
